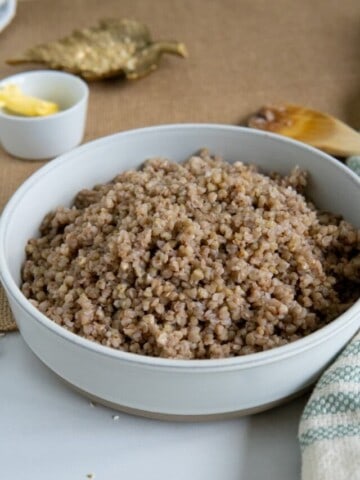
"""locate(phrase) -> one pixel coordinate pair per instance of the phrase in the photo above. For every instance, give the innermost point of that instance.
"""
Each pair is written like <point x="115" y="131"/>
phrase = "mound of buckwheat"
<point x="198" y="260"/>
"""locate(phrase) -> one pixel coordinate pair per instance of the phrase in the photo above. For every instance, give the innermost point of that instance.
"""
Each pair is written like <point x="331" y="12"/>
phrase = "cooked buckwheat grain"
<point x="203" y="259"/>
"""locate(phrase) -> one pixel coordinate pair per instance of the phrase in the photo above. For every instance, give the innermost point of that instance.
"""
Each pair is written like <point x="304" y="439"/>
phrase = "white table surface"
<point x="49" y="432"/>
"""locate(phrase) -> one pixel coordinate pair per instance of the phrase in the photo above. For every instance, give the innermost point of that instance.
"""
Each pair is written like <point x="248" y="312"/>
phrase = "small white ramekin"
<point x="37" y="138"/>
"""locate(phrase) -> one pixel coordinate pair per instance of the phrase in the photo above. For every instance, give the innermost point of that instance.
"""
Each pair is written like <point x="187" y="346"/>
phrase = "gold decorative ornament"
<point x="114" y="47"/>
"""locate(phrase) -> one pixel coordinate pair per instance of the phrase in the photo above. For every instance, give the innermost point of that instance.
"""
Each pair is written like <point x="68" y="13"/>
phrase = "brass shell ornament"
<point x="112" y="48"/>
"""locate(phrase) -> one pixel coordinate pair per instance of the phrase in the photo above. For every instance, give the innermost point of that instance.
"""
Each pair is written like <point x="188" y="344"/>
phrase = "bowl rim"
<point x="239" y="362"/>
<point x="43" y="73"/>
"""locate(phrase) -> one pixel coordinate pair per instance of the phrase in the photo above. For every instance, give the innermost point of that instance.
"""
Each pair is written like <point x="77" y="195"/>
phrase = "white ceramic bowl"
<point x="161" y="387"/>
<point x="37" y="138"/>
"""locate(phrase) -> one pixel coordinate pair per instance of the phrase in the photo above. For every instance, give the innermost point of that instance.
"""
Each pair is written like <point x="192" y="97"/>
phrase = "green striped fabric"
<point x="338" y="402"/>
<point x="352" y="350"/>
<point x="329" y="431"/>
<point x="345" y="374"/>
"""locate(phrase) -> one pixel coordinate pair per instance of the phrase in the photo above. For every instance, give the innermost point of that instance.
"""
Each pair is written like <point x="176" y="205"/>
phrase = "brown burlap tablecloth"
<point x="242" y="54"/>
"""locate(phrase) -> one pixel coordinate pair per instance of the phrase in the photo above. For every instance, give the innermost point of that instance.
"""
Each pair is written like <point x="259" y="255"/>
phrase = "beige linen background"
<point x="243" y="54"/>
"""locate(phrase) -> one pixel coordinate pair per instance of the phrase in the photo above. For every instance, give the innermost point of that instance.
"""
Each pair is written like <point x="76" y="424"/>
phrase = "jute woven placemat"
<point x="7" y="322"/>
<point x="242" y="54"/>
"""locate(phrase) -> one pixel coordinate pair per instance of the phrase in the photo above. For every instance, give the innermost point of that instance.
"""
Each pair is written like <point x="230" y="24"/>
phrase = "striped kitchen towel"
<point x="329" y="431"/>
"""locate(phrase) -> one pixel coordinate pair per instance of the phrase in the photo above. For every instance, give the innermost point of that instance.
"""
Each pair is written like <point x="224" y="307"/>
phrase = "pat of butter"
<point x="12" y="98"/>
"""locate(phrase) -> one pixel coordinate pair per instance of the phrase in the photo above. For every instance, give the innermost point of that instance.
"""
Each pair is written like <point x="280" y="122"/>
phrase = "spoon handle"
<point x="343" y="142"/>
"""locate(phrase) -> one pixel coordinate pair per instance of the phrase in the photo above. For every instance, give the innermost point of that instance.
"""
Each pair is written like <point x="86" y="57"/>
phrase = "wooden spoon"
<point x="309" y="126"/>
